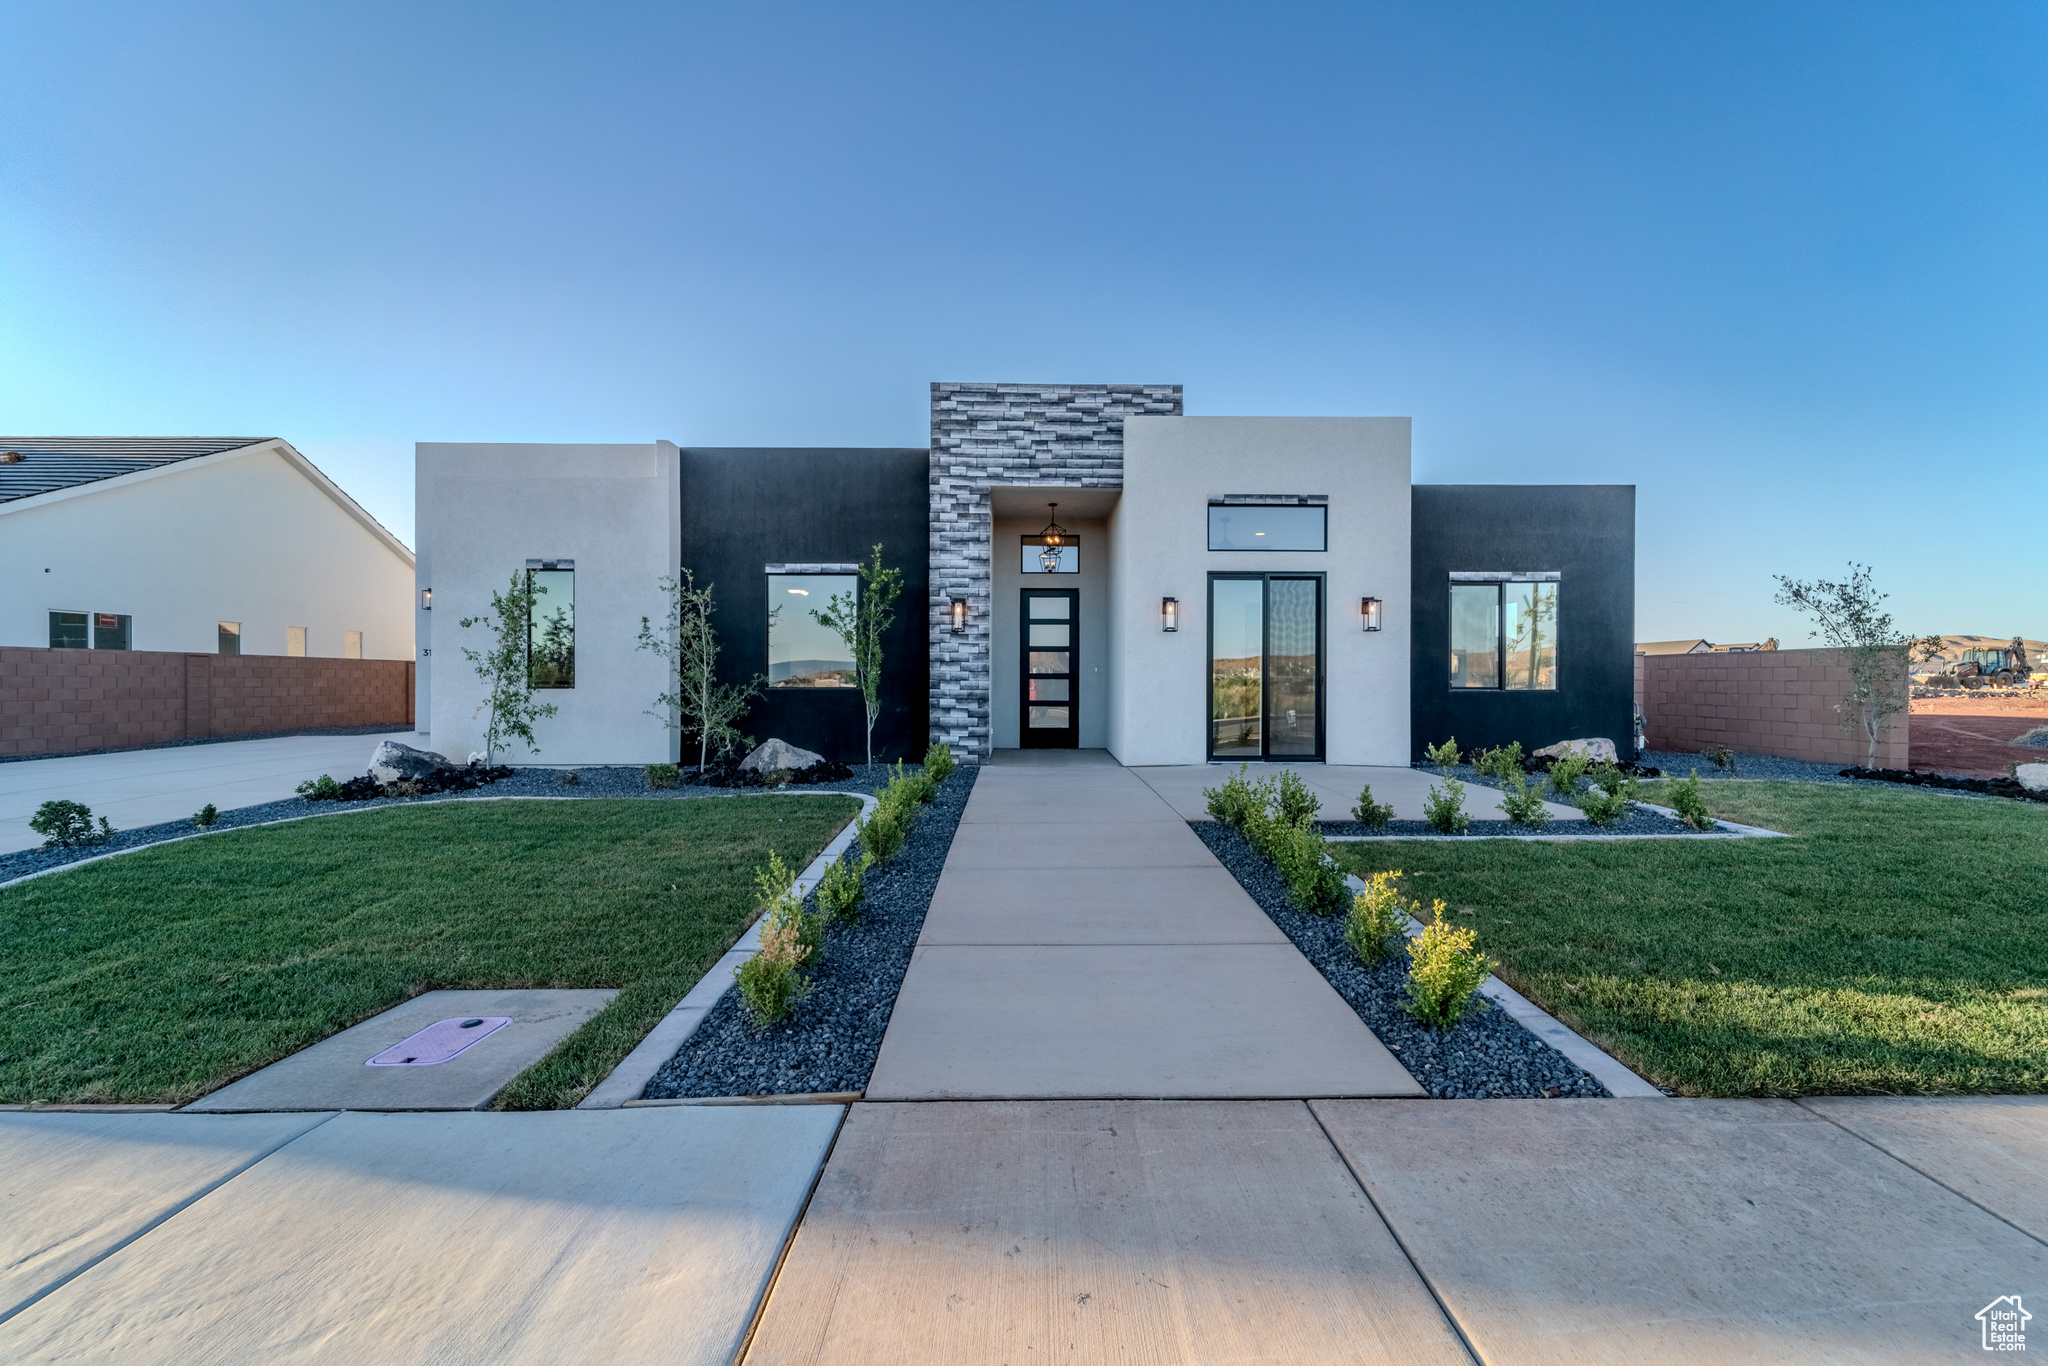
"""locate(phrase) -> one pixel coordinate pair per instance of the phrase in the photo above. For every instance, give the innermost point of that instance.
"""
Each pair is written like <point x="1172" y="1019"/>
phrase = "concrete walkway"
<point x="1082" y="942"/>
<point x="149" y="786"/>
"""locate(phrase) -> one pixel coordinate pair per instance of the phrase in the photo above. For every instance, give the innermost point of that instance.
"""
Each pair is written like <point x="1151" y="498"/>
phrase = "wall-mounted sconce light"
<point x="959" y="616"/>
<point x="1169" y="614"/>
<point x="1369" y="608"/>
<point x="426" y="599"/>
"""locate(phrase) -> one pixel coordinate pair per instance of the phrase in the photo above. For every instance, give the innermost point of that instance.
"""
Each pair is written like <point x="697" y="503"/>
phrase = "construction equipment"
<point x="1989" y="668"/>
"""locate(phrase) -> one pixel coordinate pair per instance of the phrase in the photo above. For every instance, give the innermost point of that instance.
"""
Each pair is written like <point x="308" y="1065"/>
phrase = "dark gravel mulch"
<point x="1482" y="1056"/>
<point x="1637" y="822"/>
<point x="830" y="1041"/>
<point x="1913" y="777"/>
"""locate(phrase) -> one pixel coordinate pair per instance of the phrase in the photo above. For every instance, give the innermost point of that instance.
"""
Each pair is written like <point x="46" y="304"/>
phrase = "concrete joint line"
<point x="1620" y="1081"/>
<point x="158" y="1222"/>
<point x="789" y="1241"/>
<point x="1960" y="1195"/>
<point x="1427" y="1284"/>
<point x="638" y="1067"/>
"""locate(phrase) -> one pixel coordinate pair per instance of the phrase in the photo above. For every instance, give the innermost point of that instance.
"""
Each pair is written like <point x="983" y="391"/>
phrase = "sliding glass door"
<point x="1265" y="666"/>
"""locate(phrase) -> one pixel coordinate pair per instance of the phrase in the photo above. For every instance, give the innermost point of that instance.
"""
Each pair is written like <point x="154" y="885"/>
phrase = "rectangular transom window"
<point x="803" y="652"/>
<point x="1067" y="555"/>
<point x="1504" y="634"/>
<point x="1268" y="526"/>
<point x="551" y="629"/>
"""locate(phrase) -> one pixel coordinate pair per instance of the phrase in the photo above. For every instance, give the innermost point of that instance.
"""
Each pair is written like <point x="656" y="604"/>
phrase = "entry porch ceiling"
<point x="1029" y="500"/>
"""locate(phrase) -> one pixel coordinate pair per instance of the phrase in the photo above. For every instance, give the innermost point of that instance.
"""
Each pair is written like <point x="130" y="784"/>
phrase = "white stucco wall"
<point x="249" y="536"/>
<point x="1006" y="662"/>
<point x="1159" y="548"/>
<point x="483" y="511"/>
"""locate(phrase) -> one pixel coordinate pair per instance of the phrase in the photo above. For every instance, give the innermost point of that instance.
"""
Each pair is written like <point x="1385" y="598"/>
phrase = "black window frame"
<point x="1266" y="576"/>
<point x="551" y="567"/>
<point x="1500" y="583"/>
<point x="852" y="684"/>
<point x="1317" y="502"/>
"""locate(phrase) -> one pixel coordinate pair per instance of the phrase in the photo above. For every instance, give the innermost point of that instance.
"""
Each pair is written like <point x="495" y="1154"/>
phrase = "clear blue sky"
<point x="1781" y="266"/>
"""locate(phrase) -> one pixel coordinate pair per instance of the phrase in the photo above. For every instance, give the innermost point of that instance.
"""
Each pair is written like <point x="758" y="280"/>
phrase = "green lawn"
<point x="1898" y="945"/>
<point x="166" y="973"/>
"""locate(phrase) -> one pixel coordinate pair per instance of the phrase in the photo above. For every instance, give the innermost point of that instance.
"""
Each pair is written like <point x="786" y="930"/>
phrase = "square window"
<point x="110" y="631"/>
<point x="803" y="652"/>
<point x="1504" y="633"/>
<point x="68" y="631"/>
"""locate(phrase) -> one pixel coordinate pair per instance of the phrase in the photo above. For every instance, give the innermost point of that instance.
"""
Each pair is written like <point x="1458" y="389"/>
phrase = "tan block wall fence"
<point x="1779" y="702"/>
<point x="64" y="701"/>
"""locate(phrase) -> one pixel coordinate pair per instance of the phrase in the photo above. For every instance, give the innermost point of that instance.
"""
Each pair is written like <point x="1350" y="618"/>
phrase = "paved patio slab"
<point x="1336" y="786"/>
<point x="1097" y="906"/>
<point x="1695" y="1231"/>
<point x="332" y="1075"/>
<point x="1180" y="1020"/>
<point x="74" y="1187"/>
<point x="1127" y="1232"/>
<point x="618" y="1236"/>
<point x="1990" y="1149"/>
<point x="150" y="786"/>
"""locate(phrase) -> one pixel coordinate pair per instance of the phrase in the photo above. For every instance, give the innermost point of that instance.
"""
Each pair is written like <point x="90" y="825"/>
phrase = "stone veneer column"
<point x="1005" y="435"/>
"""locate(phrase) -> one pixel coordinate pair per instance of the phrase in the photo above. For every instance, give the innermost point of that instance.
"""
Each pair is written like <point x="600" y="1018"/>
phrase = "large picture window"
<point x="551" y="628"/>
<point x="802" y="651"/>
<point x="1504" y="632"/>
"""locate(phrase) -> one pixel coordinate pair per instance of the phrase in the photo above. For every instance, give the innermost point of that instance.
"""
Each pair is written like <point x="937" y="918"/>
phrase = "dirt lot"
<point x="1971" y="735"/>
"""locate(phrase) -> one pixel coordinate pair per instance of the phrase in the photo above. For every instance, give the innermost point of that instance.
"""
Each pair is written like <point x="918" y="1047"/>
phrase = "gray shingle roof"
<point x="58" y="462"/>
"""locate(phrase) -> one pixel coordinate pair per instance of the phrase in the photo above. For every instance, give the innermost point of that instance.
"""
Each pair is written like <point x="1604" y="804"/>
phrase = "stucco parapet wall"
<point x="987" y="436"/>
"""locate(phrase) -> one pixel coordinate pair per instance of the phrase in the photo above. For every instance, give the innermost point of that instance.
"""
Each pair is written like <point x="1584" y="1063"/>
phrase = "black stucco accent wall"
<point x="744" y="508"/>
<point x="1587" y="532"/>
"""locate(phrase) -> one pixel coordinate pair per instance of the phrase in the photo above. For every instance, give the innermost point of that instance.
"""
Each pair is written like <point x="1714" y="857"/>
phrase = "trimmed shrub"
<point x="1603" y="807"/>
<point x="769" y="981"/>
<point x="1609" y="778"/>
<point x="1314" y="881"/>
<point x="1566" y="770"/>
<point x="882" y="831"/>
<point x="320" y="789"/>
<point x="1721" y="757"/>
<point x="840" y="890"/>
<point x="1503" y="764"/>
<point x="1378" y="921"/>
<point x="1444" y="756"/>
<point x="1690" y="805"/>
<point x="1236" y="798"/>
<point x="66" y="825"/>
<point x="206" y="816"/>
<point x="1371" y="814"/>
<point x="918" y="788"/>
<point x="1445" y="968"/>
<point x="1523" y="803"/>
<point x="939" y="762"/>
<point x="1293" y="801"/>
<point x="1444" y="808"/>
<point x="664" y="775"/>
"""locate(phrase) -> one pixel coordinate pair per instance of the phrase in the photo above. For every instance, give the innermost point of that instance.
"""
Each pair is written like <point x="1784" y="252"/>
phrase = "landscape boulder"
<point x="2033" y="777"/>
<point x="779" y="754"/>
<point x="1601" y="750"/>
<point x="393" y="762"/>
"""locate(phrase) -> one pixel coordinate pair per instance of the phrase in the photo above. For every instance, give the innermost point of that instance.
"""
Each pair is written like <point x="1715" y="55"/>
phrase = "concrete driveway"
<point x="148" y="786"/>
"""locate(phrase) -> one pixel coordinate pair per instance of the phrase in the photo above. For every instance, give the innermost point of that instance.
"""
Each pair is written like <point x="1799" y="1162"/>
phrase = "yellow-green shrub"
<point x="1378" y="920"/>
<point x="1444" y="968"/>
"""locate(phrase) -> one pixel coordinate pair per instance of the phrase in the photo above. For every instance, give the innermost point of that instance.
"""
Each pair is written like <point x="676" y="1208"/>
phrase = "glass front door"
<point x="1052" y="670"/>
<point x="1265" y="666"/>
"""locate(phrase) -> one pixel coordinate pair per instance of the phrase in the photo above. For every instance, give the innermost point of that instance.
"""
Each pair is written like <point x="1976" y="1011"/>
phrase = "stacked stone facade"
<point x="988" y="436"/>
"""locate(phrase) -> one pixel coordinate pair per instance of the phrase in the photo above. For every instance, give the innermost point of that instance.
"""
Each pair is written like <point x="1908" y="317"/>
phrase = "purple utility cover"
<point x="439" y="1041"/>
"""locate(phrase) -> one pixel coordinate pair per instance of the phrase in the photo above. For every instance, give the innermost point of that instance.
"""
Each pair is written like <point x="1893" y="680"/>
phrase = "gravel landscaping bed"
<point x="524" y="782"/>
<point x="1638" y="821"/>
<point x="1482" y="1056"/>
<point x="1679" y="765"/>
<point x="829" y="1042"/>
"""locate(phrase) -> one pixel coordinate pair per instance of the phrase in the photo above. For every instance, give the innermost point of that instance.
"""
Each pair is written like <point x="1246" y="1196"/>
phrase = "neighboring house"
<point x="230" y="545"/>
<point x="1226" y="588"/>
<point x="1674" y="647"/>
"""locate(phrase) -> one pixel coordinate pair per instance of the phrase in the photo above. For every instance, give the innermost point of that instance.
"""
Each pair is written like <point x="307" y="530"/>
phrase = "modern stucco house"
<point x="200" y="545"/>
<point x="1083" y="566"/>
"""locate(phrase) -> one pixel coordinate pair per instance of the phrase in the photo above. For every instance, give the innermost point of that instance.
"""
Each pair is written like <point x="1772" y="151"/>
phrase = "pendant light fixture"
<point x="1052" y="538"/>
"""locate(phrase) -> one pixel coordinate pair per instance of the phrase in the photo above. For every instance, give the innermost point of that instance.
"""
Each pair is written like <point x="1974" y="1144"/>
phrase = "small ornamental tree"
<point x="688" y="642"/>
<point x="505" y="669"/>
<point x="1849" y="616"/>
<point x="859" y="621"/>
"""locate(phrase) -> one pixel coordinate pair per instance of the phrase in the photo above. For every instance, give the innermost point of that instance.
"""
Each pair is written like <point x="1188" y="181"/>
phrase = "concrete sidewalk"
<point x="149" y="786"/>
<point x="1083" y="942"/>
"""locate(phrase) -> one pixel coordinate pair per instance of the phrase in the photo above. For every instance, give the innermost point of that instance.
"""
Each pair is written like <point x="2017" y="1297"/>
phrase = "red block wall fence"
<point x="1779" y="702"/>
<point x="64" y="701"/>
